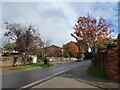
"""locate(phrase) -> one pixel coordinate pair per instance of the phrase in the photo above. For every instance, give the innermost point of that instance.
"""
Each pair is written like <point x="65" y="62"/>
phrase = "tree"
<point x="47" y="43"/>
<point x="9" y="46"/>
<point x="70" y="49"/>
<point x="93" y="32"/>
<point x="25" y="37"/>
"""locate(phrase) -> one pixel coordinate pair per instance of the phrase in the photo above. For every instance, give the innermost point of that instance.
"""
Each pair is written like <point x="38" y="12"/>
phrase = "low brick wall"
<point x="8" y="61"/>
<point x="107" y="59"/>
<point x="60" y="59"/>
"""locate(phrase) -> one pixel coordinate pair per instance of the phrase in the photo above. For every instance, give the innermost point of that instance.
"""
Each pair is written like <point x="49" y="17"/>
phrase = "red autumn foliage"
<point x="94" y="32"/>
<point x="72" y="48"/>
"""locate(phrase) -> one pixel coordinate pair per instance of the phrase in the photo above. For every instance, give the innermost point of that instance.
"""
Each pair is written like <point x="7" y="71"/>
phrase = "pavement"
<point x="78" y="78"/>
<point x="80" y="74"/>
<point x="63" y="81"/>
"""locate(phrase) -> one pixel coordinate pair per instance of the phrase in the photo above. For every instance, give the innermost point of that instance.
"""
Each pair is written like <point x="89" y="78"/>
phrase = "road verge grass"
<point x="97" y="72"/>
<point x="33" y="65"/>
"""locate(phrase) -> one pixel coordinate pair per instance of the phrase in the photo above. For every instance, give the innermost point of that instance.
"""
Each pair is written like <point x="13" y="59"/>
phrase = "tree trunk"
<point x="24" y="59"/>
<point x="15" y="59"/>
<point x="93" y="50"/>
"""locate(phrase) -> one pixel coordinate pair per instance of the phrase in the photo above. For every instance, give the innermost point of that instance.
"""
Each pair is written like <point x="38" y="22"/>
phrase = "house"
<point x="54" y="51"/>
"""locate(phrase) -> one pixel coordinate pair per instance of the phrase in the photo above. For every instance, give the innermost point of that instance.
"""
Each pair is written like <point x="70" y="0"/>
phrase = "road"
<point x="20" y="79"/>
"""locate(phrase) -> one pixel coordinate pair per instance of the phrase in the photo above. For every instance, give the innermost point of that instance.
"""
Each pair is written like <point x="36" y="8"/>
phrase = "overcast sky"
<point x="55" y="20"/>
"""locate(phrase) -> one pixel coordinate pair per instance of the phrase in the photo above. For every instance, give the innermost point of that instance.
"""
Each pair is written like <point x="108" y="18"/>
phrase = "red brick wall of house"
<point x="54" y="51"/>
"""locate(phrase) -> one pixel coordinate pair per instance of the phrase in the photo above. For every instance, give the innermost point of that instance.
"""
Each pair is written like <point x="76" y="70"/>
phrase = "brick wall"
<point x="107" y="59"/>
<point x="112" y="62"/>
<point x="60" y="59"/>
<point x="8" y="61"/>
<point x="119" y="55"/>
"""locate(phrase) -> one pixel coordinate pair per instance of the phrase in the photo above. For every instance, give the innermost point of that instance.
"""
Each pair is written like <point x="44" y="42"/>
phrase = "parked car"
<point x="79" y="60"/>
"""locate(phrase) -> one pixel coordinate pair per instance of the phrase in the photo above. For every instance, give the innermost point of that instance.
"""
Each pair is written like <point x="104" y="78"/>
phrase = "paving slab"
<point x="63" y="81"/>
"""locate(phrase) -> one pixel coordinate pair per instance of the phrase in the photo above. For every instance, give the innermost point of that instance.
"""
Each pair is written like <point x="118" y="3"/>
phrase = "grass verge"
<point x="97" y="72"/>
<point x="33" y="65"/>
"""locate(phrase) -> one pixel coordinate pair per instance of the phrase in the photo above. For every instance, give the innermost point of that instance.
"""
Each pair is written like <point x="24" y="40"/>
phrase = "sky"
<point x="55" y="20"/>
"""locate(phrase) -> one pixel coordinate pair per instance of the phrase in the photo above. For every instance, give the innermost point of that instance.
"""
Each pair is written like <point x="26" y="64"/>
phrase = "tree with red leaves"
<point x="70" y="49"/>
<point x="95" y="33"/>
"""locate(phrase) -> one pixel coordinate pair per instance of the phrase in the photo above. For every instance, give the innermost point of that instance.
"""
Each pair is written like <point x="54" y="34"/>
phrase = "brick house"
<point x="54" y="51"/>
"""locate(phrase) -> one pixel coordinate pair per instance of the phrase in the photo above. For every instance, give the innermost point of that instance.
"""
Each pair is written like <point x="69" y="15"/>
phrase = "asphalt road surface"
<point x="20" y="79"/>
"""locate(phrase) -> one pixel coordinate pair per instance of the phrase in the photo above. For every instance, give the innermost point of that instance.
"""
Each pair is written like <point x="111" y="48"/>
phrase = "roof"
<point x="54" y="46"/>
